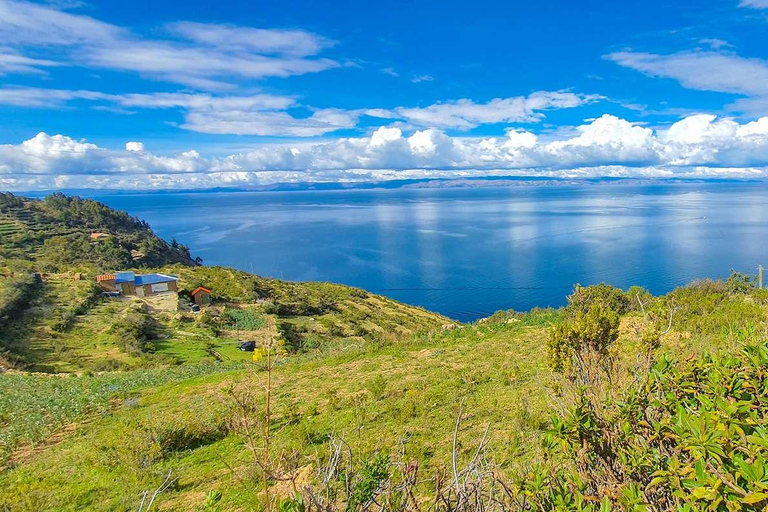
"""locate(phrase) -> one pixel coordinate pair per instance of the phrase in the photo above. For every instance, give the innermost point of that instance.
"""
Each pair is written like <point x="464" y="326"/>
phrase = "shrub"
<point x="135" y="333"/>
<point x="637" y="295"/>
<point x="590" y="333"/>
<point x="740" y="283"/>
<point x="292" y="336"/>
<point x="689" y="436"/>
<point x="369" y="481"/>
<point x="584" y="297"/>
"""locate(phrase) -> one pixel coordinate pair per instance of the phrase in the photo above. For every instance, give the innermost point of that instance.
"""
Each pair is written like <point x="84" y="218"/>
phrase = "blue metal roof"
<point x="154" y="279"/>
<point x="124" y="277"/>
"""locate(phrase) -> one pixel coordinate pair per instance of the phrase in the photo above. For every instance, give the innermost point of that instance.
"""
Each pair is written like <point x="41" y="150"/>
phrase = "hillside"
<point x="64" y="324"/>
<point x="352" y="401"/>
<point x="55" y="234"/>
<point x="380" y="418"/>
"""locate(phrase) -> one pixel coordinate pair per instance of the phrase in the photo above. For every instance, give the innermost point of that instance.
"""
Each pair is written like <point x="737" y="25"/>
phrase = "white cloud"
<point x="707" y="71"/>
<point x="266" y="114"/>
<point x="134" y="147"/>
<point x="297" y="43"/>
<point x="465" y="114"/>
<point x="607" y="140"/>
<point x="201" y="55"/>
<point x="28" y="23"/>
<point x="520" y="140"/>
<point x="715" y="43"/>
<point x="196" y="66"/>
<point x="754" y="4"/>
<point x="422" y="78"/>
<point x="13" y="62"/>
<point x="45" y="98"/>
<point x="699" y="145"/>
<point x="266" y="123"/>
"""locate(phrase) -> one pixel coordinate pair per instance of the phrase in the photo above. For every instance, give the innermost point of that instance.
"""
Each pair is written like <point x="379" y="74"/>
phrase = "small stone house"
<point x="146" y="285"/>
<point x="201" y="296"/>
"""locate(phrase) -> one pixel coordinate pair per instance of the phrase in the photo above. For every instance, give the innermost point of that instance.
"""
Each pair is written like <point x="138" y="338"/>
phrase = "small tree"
<point x="576" y="344"/>
<point x="739" y="283"/>
<point x="584" y="297"/>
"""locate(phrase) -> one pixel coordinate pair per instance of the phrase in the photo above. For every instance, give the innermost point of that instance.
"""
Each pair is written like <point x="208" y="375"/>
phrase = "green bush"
<point x="135" y="333"/>
<point x="705" y="306"/>
<point x="369" y="480"/>
<point x="690" y="436"/>
<point x="293" y="336"/>
<point x="591" y="332"/>
<point x="584" y="297"/>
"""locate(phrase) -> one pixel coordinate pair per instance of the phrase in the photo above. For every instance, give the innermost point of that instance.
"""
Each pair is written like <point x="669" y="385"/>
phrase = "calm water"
<point x="469" y="252"/>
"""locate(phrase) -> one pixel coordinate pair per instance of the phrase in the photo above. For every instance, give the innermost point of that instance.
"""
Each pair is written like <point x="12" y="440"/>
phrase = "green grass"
<point x="67" y="327"/>
<point x="393" y="397"/>
<point x="34" y="406"/>
<point x="497" y="370"/>
<point x="244" y="319"/>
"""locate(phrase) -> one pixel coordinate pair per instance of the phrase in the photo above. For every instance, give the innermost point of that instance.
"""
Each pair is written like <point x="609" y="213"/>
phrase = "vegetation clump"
<point x="136" y="333"/>
<point x="590" y="335"/>
<point x="688" y="436"/>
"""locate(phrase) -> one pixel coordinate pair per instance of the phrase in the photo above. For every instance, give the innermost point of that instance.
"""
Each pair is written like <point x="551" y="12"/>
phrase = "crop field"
<point x="34" y="406"/>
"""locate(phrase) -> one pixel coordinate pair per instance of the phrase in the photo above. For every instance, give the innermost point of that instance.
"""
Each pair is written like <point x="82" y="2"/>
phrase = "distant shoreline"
<point x="427" y="183"/>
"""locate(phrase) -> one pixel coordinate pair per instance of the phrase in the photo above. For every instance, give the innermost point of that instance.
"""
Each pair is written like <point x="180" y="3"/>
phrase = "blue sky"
<point x="204" y="94"/>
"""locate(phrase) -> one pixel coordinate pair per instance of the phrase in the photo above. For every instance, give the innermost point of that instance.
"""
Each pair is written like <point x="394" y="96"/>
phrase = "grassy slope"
<point x="395" y="397"/>
<point x="413" y="388"/>
<point x="348" y="317"/>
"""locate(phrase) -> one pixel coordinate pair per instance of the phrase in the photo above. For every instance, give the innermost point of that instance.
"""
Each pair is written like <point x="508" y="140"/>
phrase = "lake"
<point x="467" y="252"/>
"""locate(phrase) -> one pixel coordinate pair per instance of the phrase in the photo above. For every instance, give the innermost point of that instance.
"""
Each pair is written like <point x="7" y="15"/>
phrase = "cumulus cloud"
<point x="197" y="54"/>
<point x="699" y="145"/>
<point x="134" y="147"/>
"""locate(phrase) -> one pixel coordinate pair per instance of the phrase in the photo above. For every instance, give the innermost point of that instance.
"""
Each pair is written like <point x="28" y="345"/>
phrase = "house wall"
<point x="154" y="289"/>
<point x="108" y="285"/>
<point x="202" y="299"/>
<point x="127" y="288"/>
